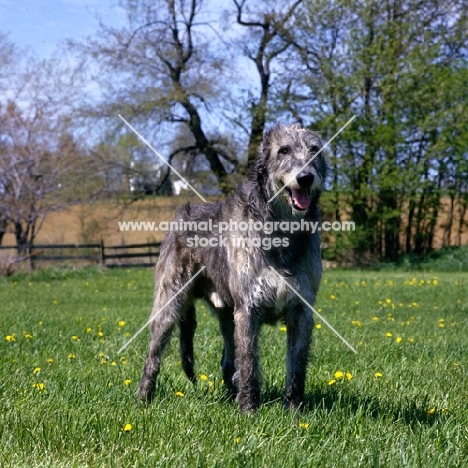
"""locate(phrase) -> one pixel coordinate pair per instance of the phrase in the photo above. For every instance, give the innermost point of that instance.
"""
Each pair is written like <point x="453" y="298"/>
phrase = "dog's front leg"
<point x="299" y="336"/>
<point x="247" y="377"/>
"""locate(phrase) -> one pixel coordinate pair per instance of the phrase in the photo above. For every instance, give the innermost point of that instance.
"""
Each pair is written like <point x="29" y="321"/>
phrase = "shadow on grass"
<point x="408" y="411"/>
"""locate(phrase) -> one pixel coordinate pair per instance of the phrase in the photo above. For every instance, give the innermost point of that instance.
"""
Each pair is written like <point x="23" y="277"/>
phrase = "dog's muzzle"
<point x="300" y="196"/>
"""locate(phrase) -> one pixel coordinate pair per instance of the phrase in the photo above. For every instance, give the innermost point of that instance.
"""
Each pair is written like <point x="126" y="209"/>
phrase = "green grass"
<point x="416" y="414"/>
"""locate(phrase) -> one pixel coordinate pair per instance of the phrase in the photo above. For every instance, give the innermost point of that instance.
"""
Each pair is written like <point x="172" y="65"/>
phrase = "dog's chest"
<point x="268" y="290"/>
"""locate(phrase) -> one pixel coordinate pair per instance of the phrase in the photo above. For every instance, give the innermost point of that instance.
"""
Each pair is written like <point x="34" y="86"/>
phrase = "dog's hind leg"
<point x="299" y="336"/>
<point x="187" y="326"/>
<point x="163" y="319"/>
<point x="226" y="325"/>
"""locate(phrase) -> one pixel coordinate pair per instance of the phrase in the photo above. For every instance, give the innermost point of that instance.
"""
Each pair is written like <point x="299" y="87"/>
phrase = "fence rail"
<point x="110" y="256"/>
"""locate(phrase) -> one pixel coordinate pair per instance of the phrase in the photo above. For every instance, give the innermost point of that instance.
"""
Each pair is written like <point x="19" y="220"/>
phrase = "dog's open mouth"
<point x="300" y="198"/>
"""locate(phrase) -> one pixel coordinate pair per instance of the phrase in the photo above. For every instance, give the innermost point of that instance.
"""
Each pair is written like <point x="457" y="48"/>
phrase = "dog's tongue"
<point x="301" y="198"/>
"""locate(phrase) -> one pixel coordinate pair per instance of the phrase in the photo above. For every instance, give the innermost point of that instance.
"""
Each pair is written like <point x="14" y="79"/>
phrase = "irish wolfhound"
<point x="237" y="280"/>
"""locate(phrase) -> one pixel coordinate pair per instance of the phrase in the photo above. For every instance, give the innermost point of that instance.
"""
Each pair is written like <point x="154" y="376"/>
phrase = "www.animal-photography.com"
<point x="233" y="233"/>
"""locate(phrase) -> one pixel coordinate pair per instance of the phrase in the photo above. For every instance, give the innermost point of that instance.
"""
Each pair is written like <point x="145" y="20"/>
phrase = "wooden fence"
<point x="101" y="254"/>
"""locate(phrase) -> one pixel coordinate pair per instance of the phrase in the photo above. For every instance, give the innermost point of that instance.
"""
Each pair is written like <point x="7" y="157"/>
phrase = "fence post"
<point x="102" y="256"/>
<point x="31" y="259"/>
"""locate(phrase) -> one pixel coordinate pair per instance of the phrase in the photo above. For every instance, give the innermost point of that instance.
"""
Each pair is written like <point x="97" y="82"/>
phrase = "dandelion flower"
<point x="179" y="394"/>
<point x="50" y="361"/>
<point x="238" y="439"/>
<point x="283" y="328"/>
<point x="338" y="375"/>
<point x="89" y="330"/>
<point x="375" y="318"/>
<point x="430" y="411"/>
<point x="71" y="356"/>
<point x="127" y="382"/>
<point x="28" y="336"/>
<point x="318" y="326"/>
<point x="304" y="425"/>
<point x="121" y="323"/>
<point x="378" y="375"/>
<point x="203" y="377"/>
<point x="388" y="334"/>
<point x="331" y="382"/>
<point x="332" y="297"/>
<point x="75" y="338"/>
<point x="127" y="427"/>
<point x="39" y="386"/>
<point x="348" y="375"/>
<point x="10" y="338"/>
<point x="36" y="370"/>
<point x="399" y="339"/>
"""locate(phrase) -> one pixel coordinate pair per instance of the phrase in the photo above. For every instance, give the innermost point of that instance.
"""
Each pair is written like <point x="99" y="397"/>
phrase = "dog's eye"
<point x="283" y="150"/>
<point x="314" y="149"/>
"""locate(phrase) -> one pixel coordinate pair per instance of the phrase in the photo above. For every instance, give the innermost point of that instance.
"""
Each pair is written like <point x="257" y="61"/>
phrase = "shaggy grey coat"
<point x="238" y="282"/>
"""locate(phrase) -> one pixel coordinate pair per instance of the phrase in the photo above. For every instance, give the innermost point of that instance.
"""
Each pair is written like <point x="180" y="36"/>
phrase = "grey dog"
<point x="237" y="281"/>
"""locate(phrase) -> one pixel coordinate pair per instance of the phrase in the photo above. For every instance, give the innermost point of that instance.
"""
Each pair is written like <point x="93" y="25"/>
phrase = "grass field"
<point x="66" y="396"/>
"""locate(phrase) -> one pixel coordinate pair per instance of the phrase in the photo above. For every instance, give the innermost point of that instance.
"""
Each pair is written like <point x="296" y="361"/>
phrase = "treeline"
<point x="202" y="81"/>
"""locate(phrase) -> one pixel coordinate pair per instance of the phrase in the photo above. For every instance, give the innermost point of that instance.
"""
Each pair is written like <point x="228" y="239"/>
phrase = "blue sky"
<point x="42" y="24"/>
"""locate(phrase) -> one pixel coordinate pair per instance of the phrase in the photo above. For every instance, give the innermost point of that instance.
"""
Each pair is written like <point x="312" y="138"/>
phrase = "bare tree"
<point x="167" y="74"/>
<point x="265" y="42"/>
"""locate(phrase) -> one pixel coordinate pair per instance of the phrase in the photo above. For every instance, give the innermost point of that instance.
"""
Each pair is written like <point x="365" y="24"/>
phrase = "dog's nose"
<point x="305" y="179"/>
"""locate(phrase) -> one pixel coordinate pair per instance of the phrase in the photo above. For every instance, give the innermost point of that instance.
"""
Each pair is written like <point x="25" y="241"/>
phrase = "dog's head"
<point x="287" y="159"/>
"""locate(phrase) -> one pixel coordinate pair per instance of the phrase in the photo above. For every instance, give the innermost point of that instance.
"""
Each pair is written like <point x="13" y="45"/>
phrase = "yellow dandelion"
<point x="388" y="334"/>
<point x="203" y="377"/>
<point x="332" y="297"/>
<point x="89" y="330"/>
<point x="375" y="318"/>
<point x="356" y="302"/>
<point x="411" y="340"/>
<point x="304" y="425"/>
<point x="399" y="339"/>
<point x="71" y="356"/>
<point x="39" y="386"/>
<point x="331" y="382"/>
<point x="127" y="427"/>
<point x="113" y="363"/>
<point x="356" y="322"/>
<point x="338" y="375"/>
<point x="179" y="394"/>
<point x="441" y="325"/>
<point x="127" y="382"/>
<point x="388" y="301"/>
<point x="318" y="326"/>
<point x="430" y="411"/>
<point x="100" y="333"/>
<point x="36" y="370"/>
<point x="10" y="338"/>
<point x="435" y="282"/>
<point x="283" y="328"/>
<point x="348" y="375"/>
<point x="28" y="336"/>
<point x="50" y="361"/>
<point x="378" y="375"/>
<point x="75" y="338"/>
<point x="238" y="439"/>
<point x="127" y="334"/>
<point x="121" y="323"/>
<point x="319" y="311"/>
